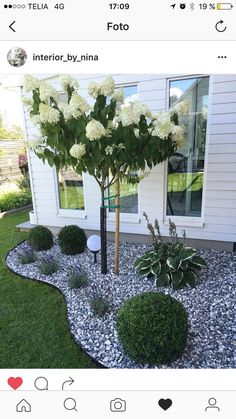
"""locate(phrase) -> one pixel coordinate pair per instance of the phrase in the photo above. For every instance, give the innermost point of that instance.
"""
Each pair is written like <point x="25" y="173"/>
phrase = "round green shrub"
<point x="152" y="328"/>
<point x="40" y="238"/>
<point x="72" y="240"/>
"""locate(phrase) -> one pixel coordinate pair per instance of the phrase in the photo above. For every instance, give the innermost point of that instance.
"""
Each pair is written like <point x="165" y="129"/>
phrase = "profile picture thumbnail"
<point x="17" y="57"/>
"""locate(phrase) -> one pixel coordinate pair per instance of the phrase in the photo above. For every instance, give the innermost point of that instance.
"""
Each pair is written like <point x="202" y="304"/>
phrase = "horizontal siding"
<point x="222" y="168"/>
<point x="219" y="221"/>
<point x="220" y="203"/>
<point x="222" y="158"/>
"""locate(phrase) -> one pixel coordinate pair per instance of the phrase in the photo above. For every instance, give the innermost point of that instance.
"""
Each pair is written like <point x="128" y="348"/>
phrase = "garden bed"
<point x="210" y="306"/>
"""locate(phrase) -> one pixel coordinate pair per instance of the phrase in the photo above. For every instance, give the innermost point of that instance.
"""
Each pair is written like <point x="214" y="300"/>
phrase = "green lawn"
<point x="33" y="325"/>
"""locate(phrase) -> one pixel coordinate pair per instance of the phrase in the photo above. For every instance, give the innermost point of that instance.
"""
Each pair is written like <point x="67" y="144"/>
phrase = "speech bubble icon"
<point x="41" y="383"/>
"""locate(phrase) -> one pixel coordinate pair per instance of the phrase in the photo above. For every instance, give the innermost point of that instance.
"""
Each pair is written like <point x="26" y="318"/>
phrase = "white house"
<point x="196" y="188"/>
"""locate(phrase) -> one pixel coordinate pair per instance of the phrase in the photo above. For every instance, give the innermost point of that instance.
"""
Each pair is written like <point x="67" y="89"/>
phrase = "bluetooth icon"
<point x="192" y="6"/>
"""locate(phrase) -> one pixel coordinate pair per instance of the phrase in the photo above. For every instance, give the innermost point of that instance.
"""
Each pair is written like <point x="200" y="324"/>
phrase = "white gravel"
<point x="211" y="306"/>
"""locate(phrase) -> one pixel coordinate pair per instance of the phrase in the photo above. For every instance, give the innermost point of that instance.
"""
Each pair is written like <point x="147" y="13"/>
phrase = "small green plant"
<point x="40" y="238"/>
<point x="48" y="265"/>
<point x="72" y="240"/>
<point x="24" y="182"/>
<point x="27" y="256"/>
<point x="100" y="305"/>
<point x="171" y="263"/>
<point x="77" y="279"/>
<point x="152" y="328"/>
<point x="13" y="200"/>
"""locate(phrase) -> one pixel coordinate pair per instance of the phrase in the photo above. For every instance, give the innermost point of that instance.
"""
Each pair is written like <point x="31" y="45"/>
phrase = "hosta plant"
<point x="171" y="264"/>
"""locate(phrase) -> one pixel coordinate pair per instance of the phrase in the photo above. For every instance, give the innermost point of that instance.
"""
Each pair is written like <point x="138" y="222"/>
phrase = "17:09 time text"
<point x="119" y="6"/>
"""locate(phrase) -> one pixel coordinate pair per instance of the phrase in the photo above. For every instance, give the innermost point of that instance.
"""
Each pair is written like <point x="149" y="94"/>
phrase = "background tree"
<point x="110" y="141"/>
<point x="10" y="133"/>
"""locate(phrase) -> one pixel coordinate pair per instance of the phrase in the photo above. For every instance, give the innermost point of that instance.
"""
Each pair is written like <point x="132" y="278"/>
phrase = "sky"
<point x="10" y="100"/>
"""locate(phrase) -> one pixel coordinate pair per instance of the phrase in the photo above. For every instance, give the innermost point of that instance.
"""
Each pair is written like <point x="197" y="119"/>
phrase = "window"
<point x="128" y="192"/>
<point x="71" y="194"/>
<point x="186" y="165"/>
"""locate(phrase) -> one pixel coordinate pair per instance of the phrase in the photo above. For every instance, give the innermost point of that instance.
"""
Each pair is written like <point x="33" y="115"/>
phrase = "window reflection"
<point x="71" y="195"/>
<point x="128" y="192"/>
<point x="186" y="165"/>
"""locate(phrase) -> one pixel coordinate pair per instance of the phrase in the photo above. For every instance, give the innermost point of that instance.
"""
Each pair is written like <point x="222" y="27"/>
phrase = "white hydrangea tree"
<point x="110" y="141"/>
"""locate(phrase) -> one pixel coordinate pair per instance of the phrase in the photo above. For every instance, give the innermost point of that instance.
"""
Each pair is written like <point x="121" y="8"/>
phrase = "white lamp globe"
<point x="94" y="243"/>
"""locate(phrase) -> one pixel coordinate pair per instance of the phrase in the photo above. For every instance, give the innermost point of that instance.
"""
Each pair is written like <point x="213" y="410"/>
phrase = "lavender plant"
<point x="99" y="302"/>
<point x="27" y="256"/>
<point x="48" y="265"/>
<point x="77" y="278"/>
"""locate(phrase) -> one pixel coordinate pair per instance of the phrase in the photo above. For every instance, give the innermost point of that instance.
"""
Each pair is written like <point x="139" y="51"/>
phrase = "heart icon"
<point x="15" y="382"/>
<point x="165" y="403"/>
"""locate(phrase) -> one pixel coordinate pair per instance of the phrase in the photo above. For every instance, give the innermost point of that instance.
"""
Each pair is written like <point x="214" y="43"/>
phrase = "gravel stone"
<point x="210" y="306"/>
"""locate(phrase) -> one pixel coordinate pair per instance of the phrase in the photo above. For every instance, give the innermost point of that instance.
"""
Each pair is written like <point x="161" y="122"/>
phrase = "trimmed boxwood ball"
<point x="152" y="328"/>
<point x="72" y="240"/>
<point x="40" y="238"/>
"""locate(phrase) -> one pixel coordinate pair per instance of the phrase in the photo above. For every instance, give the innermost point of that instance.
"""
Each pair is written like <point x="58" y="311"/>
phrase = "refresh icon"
<point x="220" y="26"/>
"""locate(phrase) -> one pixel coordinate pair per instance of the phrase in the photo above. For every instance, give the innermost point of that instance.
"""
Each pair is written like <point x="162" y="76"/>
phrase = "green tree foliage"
<point x="109" y="141"/>
<point x="13" y="133"/>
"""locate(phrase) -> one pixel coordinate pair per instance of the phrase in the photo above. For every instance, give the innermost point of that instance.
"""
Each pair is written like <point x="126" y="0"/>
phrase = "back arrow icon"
<point x="10" y="26"/>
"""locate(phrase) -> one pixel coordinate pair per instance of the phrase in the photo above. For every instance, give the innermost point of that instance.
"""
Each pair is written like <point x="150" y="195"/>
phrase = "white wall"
<point x="218" y="221"/>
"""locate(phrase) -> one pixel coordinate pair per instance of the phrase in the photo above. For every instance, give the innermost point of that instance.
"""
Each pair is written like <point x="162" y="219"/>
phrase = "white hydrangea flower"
<point x="66" y="110"/>
<point x="35" y="119"/>
<point x="121" y="146"/>
<point x="162" y="126"/>
<point x="78" y="151"/>
<point x="46" y="91"/>
<point x="35" y="143"/>
<point x="111" y="125"/>
<point x="39" y="150"/>
<point x="131" y="113"/>
<point x="178" y="133"/>
<point x="109" y="150"/>
<point x="95" y="130"/>
<point x="93" y="89"/>
<point x="141" y="109"/>
<point x="77" y="107"/>
<point x="27" y="101"/>
<point x="127" y="116"/>
<point x="78" y="103"/>
<point x="118" y="96"/>
<point x="48" y="114"/>
<point x="68" y="81"/>
<point x="107" y="86"/>
<point x="30" y="83"/>
<point x="182" y="108"/>
<point x="136" y="133"/>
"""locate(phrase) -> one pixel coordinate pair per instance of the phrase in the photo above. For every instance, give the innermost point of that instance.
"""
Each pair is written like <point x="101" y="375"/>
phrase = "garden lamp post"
<point x="94" y="245"/>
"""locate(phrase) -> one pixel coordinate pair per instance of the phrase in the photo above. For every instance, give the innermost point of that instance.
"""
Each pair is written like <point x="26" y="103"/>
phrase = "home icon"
<point x="23" y="407"/>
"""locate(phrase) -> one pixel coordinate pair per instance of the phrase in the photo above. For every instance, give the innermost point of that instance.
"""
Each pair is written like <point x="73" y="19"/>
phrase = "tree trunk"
<point x="117" y="232"/>
<point x="103" y="232"/>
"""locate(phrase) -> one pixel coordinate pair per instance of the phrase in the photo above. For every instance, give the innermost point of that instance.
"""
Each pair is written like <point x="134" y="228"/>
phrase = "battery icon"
<point x="224" y="6"/>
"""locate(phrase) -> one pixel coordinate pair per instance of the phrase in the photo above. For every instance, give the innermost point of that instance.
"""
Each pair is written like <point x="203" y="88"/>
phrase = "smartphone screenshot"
<point x="117" y="209"/>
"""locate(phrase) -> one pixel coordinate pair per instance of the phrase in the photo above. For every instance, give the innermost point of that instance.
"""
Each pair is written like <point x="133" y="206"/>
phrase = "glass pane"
<point x="186" y="165"/>
<point x="71" y="193"/>
<point x="128" y="192"/>
<point x="130" y="93"/>
<point x="128" y="198"/>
